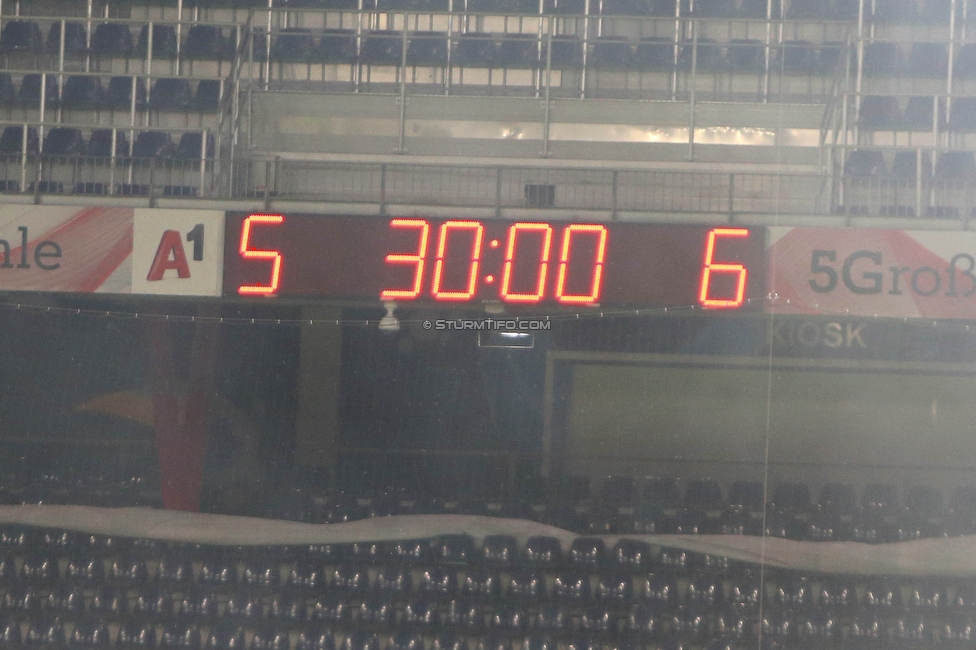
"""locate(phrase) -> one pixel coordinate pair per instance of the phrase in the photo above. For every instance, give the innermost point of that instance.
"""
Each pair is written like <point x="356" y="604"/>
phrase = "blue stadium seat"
<point x="64" y="141"/>
<point x="610" y="52"/>
<point x="159" y="144"/>
<point x="293" y="44"/>
<point x="879" y="112"/>
<point x="476" y="50"/>
<point x="709" y="55"/>
<point x="8" y="92"/>
<point x="831" y="55"/>
<point x="567" y="52"/>
<point x="118" y="95"/>
<point x="207" y="97"/>
<point x="205" y="42"/>
<point x="382" y="48"/>
<point x="861" y="163"/>
<point x="336" y="46"/>
<point x="747" y="495"/>
<point x="929" y="59"/>
<point x="427" y="49"/>
<point x="30" y="90"/>
<point x="171" y="94"/>
<point x="21" y="36"/>
<point x="191" y="146"/>
<point x="893" y="11"/>
<point x="920" y="111"/>
<point x="266" y="638"/>
<point x="963" y="115"/>
<point x="164" y="41"/>
<point x="745" y="55"/>
<point x="12" y="140"/>
<point x="955" y="165"/>
<point x="964" y="63"/>
<point x="82" y="91"/>
<point x="882" y="58"/>
<point x="518" y="51"/>
<point x="75" y="38"/>
<point x="112" y="39"/>
<point x="100" y="143"/>
<point x="905" y="165"/>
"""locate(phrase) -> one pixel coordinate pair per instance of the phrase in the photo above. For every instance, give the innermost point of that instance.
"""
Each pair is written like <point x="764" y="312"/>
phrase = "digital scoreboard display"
<point x="458" y="261"/>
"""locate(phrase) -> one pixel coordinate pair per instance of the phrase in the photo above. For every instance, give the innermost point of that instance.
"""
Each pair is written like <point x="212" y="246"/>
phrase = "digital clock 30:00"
<point x="464" y="261"/>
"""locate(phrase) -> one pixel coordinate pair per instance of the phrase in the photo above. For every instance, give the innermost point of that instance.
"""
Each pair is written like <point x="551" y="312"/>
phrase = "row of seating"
<point x="69" y="141"/>
<point x="115" y="40"/>
<point x="949" y="165"/>
<point x="87" y="92"/>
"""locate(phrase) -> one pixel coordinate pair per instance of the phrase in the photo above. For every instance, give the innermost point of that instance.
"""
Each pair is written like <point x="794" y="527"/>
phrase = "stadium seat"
<point x="838" y="498"/>
<point x="82" y="92"/>
<point x="382" y="48"/>
<point x="711" y="8"/>
<point x="118" y="95"/>
<point x="610" y="52"/>
<point x="336" y="46"/>
<point x="660" y="491"/>
<point x="183" y="636"/>
<point x="587" y="553"/>
<point x="565" y="7"/>
<point x="798" y="56"/>
<point x="90" y="633"/>
<point x="100" y="143"/>
<point x="754" y="9"/>
<point x="282" y="607"/>
<point x="207" y="97"/>
<point x="929" y="59"/>
<point x="882" y="596"/>
<point x="164" y="41"/>
<point x="8" y="92"/>
<point x="882" y="58"/>
<point x="204" y="42"/>
<point x="476" y="50"/>
<point x="703" y="493"/>
<point x="709" y="55"/>
<point x="831" y="55"/>
<point x="955" y="165"/>
<point x="21" y="36"/>
<point x="171" y="94"/>
<point x="963" y="115"/>
<point x="893" y="11"/>
<point x="75" y="38"/>
<point x="112" y="39"/>
<point x="159" y="144"/>
<point x="109" y="600"/>
<point x="881" y="497"/>
<point x="861" y="164"/>
<point x="518" y="51"/>
<point x="618" y="491"/>
<point x="30" y="90"/>
<point x="427" y="49"/>
<point x="936" y="11"/>
<point x="293" y="44"/>
<point x="12" y="140"/>
<point x="747" y="495"/>
<point x="905" y="166"/>
<point x="654" y="53"/>
<point x="64" y="141"/>
<point x="964" y="62"/>
<point x="623" y="7"/>
<point x="454" y="549"/>
<point x="919" y="114"/>
<point x="744" y="55"/>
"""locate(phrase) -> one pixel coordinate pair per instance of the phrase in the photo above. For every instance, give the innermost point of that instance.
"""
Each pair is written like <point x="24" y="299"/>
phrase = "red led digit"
<point x="419" y="259"/>
<point x="600" y="233"/>
<point x="249" y="253"/>
<point x="513" y="232"/>
<point x="710" y="267"/>
<point x="443" y="236"/>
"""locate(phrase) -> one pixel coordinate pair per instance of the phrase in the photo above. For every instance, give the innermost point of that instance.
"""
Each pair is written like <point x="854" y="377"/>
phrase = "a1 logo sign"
<point x="177" y="252"/>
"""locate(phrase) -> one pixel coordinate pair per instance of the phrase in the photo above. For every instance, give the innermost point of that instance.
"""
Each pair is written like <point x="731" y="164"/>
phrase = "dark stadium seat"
<point x="920" y="111"/>
<point x="955" y="165"/>
<point x="565" y="7"/>
<point x="12" y="140"/>
<point x="164" y="44"/>
<point x="882" y="497"/>
<point x="622" y="7"/>
<point x="183" y="636"/>
<point x="964" y="61"/>
<point x="500" y="551"/>
<point x="30" y="90"/>
<point x="618" y="491"/>
<point x="791" y="497"/>
<point x="21" y="36"/>
<point x="75" y="38"/>
<point x="711" y="8"/>
<point x="610" y="52"/>
<point x="336" y="46"/>
<point x="905" y="165"/>
<point x="82" y="92"/>
<point x="936" y="11"/>
<point x="476" y="50"/>
<point x="543" y="552"/>
<point x="112" y="39"/>
<point x="654" y="53"/>
<point x="963" y="114"/>
<point x="831" y="56"/>
<point x="744" y="55"/>
<point x="703" y="493"/>
<point x="587" y="553"/>
<point x="845" y="10"/>
<point x="882" y="596"/>
<point x="839" y="498"/>
<point x="709" y="55"/>
<point x="171" y="94"/>
<point x="118" y="95"/>
<point x="861" y="163"/>
<point x="136" y="634"/>
<point x="159" y="144"/>
<point x="661" y="491"/>
<point x="100" y="143"/>
<point x="929" y="59"/>
<point x="454" y="549"/>
<point x="64" y="141"/>
<point x="8" y="92"/>
<point x="382" y="48"/>
<point x="882" y="58"/>
<point x="797" y="56"/>
<point x="230" y="636"/>
<point x="207" y="97"/>
<point x="704" y="591"/>
<point x="747" y="495"/>
<point x="567" y="53"/>
<point x="518" y="51"/>
<point x="109" y="600"/>
<point x="893" y="11"/>
<point x="293" y="44"/>
<point x="92" y="633"/>
<point x="427" y="49"/>
<point x="204" y="42"/>
<point x="879" y="112"/>
<point x="924" y="499"/>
